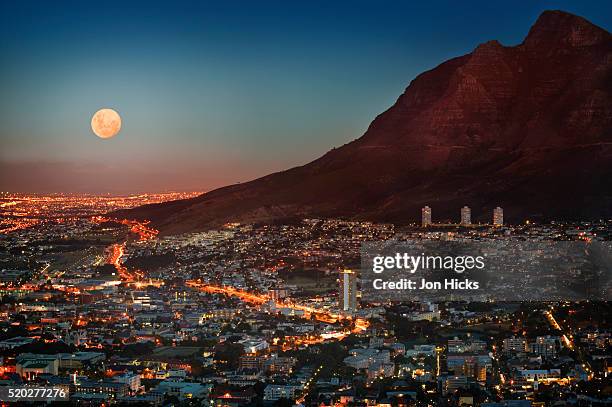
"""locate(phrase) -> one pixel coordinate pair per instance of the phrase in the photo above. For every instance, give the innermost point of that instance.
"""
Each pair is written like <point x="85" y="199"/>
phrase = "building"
<point x="254" y="346"/>
<point x="106" y="388"/>
<point x="29" y="368"/>
<point x="498" y="216"/>
<point x="232" y="398"/>
<point x="539" y="374"/>
<point x="469" y="365"/>
<point x="545" y="346"/>
<point x="398" y="348"/>
<point x="421" y="350"/>
<point x="79" y="360"/>
<point x="424" y="316"/>
<point x="274" y="392"/>
<point x="172" y="375"/>
<point x="380" y="370"/>
<point x="76" y="337"/>
<point x="457" y="345"/>
<point x="278" y="293"/>
<point x="219" y="314"/>
<point x="281" y="365"/>
<point x="453" y="383"/>
<point x="15" y="342"/>
<point x="348" y="291"/>
<point x="515" y="346"/>
<point x="132" y="381"/>
<point x="466" y="216"/>
<point x="251" y="362"/>
<point x="360" y="358"/>
<point x="426" y="216"/>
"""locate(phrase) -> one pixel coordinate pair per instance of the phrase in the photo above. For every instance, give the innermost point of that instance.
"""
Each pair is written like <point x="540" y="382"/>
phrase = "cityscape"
<point x="306" y="204"/>
<point x="112" y="312"/>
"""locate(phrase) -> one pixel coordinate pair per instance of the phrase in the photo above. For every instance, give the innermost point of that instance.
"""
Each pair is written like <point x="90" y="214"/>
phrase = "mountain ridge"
<point x="525" y="127"/>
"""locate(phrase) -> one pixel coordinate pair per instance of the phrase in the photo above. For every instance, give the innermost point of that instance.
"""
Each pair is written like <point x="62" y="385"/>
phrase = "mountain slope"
<point x="528" y="128"/>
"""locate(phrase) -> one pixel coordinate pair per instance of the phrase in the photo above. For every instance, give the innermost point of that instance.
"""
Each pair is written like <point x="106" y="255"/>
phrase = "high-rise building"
<point x="348" y="291"/>
<point x="466" y="216"/>
<point x="426" y="216"/>
<point x="498" y="216"/>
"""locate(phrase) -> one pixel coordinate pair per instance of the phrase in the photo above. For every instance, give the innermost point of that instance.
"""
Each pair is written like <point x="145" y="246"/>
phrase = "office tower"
<point x="348" y="291"/>
<point x="498" y="216"/>
<point x="426" y="216"/>
<point x="466" y="216"/>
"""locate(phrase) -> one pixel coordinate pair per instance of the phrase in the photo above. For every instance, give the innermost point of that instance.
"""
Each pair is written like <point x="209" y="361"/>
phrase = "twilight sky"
<point x="217" y="93"/>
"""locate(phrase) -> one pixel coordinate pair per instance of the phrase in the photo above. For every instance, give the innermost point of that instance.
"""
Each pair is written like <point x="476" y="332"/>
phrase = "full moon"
<point x="106" y="123"/>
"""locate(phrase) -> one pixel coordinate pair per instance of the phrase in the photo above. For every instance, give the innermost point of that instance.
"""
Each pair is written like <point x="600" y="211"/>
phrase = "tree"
<point x="283" y="402"/>
<point x="228" y="354"/>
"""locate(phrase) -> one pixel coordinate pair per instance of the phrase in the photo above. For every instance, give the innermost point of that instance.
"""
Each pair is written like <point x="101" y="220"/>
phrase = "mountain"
<point x="527" y="127"/>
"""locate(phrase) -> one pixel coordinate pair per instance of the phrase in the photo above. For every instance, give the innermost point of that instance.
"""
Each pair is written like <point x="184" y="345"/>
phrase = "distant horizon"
<point x="101" y="193"/>
<point x="216" y="95"/>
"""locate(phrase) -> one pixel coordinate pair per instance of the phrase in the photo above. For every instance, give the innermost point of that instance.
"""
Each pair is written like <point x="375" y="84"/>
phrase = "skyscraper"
<point x="348" y="291"/>
<point x="466" y="216"/>
<point x="498" y="216"/>
<point x="426" y="216"/>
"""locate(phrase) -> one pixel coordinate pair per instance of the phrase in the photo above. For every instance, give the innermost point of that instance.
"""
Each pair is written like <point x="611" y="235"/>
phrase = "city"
<point x="309" y="204"/>
<point x="249" y="314"/>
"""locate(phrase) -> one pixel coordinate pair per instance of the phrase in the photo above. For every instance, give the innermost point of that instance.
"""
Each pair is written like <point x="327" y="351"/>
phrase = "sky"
<point x="215" y="93"/>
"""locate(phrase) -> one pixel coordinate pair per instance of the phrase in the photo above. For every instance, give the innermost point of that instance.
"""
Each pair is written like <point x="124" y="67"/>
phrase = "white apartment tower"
<point x="466" y="216"/>
<point x="498" y="216"/>
<point x="348" y="291"/>
<point x="426" y="216"/>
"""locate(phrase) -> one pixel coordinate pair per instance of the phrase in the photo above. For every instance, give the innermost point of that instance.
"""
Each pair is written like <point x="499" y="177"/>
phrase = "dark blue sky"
<point x="216" y="93"/>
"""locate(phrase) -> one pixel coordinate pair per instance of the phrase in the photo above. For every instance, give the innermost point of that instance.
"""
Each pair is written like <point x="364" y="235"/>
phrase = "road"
<point x="566" y="338"/>
<point x="117" y="250"/>
<point x="319" y="314"/>
<point x="553" y="322"/>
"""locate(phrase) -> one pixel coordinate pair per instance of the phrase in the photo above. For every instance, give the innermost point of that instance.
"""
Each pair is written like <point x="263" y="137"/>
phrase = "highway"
<point x="319" y="314"/>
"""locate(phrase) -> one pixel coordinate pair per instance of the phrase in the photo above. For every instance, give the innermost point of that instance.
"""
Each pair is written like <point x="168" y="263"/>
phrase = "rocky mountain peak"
<point x="558" y="28"/>
<point x="527" y="128"/>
